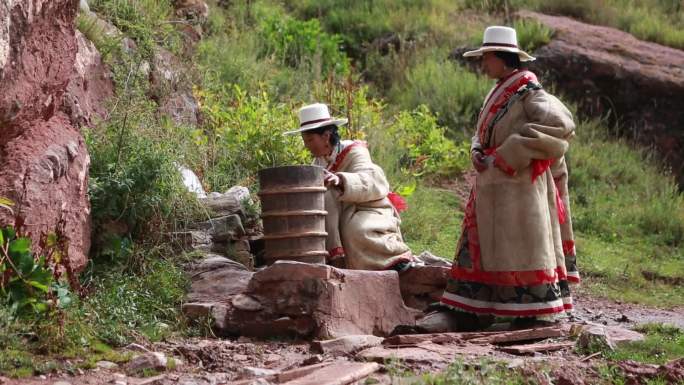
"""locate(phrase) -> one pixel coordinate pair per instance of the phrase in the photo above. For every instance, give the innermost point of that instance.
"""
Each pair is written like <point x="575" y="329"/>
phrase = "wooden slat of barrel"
<point x="293" y="213"/>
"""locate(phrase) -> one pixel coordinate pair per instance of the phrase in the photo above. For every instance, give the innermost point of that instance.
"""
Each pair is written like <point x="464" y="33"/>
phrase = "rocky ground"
<point x="353" y="359"/>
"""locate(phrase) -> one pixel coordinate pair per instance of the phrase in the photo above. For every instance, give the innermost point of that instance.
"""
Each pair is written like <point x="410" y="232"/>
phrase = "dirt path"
<point x="628" y="315"/>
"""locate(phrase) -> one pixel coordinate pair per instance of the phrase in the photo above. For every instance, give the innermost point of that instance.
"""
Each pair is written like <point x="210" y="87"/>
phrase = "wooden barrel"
<point x="293" y="212"/>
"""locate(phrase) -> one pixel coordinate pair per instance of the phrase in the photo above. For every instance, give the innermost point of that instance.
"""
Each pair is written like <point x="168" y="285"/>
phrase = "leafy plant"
<point x="426" y="151"/>
<point x="28" y="284"/>
<point x="296" y="43"/>
<point x="532" y="34"/>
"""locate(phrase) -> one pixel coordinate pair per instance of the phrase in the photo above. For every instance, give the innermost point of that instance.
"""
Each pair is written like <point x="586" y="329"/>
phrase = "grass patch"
<point x="432" y="221"/>
<point x="629" y="219"/>
<point x="484" y="372"/>
<point x="663" y="343"/>
<point x="652" y="20"/>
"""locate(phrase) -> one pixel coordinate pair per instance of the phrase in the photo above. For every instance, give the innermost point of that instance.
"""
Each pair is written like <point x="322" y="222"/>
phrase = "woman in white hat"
<point x="362" y="222"/>
<point x="516" y="253"/>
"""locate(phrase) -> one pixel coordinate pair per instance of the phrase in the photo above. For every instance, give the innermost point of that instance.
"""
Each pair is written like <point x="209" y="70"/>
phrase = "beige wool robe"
<point x="515" y="257"/>
<point x="362" y="223"/>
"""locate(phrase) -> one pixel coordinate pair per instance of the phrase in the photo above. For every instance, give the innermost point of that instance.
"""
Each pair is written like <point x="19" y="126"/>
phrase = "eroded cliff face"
<point x="43" y="156"/>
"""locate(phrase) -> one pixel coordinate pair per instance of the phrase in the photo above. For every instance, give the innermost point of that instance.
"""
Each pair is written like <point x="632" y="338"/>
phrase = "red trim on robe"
<point x="510" y="278"/>
<point x="340" y="157"/>
<point x="539" y="167"/>
<point x="502" y="99"/>
<point x="336" y="253"/>
<point x="500" y="162"/>
<point x="506" y="312"/>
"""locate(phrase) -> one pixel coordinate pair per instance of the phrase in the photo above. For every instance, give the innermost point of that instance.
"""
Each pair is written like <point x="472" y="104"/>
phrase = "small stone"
<point x="120" y="382"/>
<point x="246" y="303"/>
<point x="622" y="318"/>
<point x="42" y="377"/>
<point x="106" y="365"/>
<point x="240" y="357"/>
<point x="61" y="383"/>
<point x="257" y="372"/>
<point x="271" y="359"/>
<point x="150" y="361"/>
<point x="346" y="344"/>
<point x="137" y="348"/>
<point x="316" y="359"/>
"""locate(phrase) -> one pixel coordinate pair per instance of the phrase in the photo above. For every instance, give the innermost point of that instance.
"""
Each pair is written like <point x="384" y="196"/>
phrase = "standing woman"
<point x="516" y="254"/>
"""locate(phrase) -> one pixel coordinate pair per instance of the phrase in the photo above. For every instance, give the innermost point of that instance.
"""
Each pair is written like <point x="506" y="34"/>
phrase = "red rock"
<point x="44" y="157"/>
<point x="90" y="86"/>
<point x="606" y="69"/>
<point x="423" y="285"/>
<point x="346" y="344"/>
<point x="311" y="300"/>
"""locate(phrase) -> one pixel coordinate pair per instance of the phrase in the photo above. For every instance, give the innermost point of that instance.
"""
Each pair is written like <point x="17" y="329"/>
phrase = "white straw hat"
<point x="497" y="38"/>
<point x="314" y="116"/>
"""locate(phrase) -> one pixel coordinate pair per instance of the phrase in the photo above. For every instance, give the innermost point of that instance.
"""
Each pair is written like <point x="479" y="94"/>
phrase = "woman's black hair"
<point x="334" y="134"/>
<point x="511" y="59"/>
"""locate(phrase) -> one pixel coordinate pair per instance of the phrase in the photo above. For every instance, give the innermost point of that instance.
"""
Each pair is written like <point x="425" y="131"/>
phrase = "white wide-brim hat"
<point x="314" y="116"/>
<point x="503" y="39"/>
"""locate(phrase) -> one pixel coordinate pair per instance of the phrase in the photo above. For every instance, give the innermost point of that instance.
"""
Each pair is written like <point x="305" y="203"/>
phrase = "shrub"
<point x="425" y="151"/>
<point x="244" y="133"/>
<point x="143" y="20"/>
<point x="452" y="92"/>
<point x="302" y="43"/>
<point x="532" y="34"/>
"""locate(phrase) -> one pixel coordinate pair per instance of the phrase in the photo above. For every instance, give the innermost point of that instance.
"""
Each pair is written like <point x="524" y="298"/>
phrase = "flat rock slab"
<point x="338" y="374"/>
<point x="318" y="301"/>
<point x="426" y="353"/>
<point x="346" y="344"/>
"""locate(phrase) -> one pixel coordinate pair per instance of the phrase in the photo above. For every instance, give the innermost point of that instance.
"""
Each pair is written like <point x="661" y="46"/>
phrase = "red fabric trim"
<point x="340" y="157"/>
<point x="503" y="98"/>
<point x="336" y="252"/>
<point x="397" y="201"/>
<point x="539" y="167"/>
<point x="562" y="213"/>
<point x="500" y="162"/>
<point x="569" y="247"/>
<point x="518" y="313"/>
<point x="510" y="278"/>
<point x="573" y="279"/>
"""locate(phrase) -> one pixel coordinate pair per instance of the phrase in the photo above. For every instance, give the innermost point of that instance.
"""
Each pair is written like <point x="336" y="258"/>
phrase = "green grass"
<point x="659" y="21"/>
<point x="472" y="373"/>
<point x="662" y="344"/>
<point x="432" y="222"/>
<point x="629" y="219"/>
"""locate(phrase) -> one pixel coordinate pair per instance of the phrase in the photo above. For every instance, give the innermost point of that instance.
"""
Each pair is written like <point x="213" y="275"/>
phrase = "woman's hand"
<point x="479" y="159"/>
<point x="331" y="179"/>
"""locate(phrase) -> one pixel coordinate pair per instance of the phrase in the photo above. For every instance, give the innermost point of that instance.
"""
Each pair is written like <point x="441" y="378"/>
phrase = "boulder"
<point x="217" y="279"/>
<point x="320" y="301"/>
<point x="44" y="157"/>
<point x="595" y="336"/>
<point x="423" y="285"/>
<point x="147" y="361"/>
<point x="90" y="86"/>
